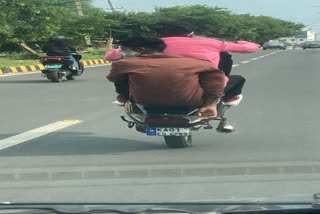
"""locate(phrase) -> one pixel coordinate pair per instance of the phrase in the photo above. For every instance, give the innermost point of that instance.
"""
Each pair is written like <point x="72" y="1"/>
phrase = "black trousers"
<point x="236" y="82"/>
<point x="234" y="86"/>
<point x="225" y="63"/>
<point x="122" y="88"/>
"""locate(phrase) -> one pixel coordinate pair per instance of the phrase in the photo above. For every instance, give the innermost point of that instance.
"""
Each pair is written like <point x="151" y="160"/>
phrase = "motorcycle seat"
<point x="173" y="110"/>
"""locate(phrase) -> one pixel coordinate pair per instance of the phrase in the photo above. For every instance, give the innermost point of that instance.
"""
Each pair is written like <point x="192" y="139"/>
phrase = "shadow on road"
<point x="24" y="81"/>
<point x="79" y="143"/>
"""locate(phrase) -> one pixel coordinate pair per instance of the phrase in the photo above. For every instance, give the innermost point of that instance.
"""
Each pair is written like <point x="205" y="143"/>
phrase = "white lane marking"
<point x="35" y="133"/>
<point x="244" y="62"/>
<point x="36" y="72"/>
<point x="253" y="59"/>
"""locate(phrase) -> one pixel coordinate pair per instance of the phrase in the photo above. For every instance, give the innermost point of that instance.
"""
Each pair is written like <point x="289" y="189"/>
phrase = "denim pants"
<point x="75" y="63"/>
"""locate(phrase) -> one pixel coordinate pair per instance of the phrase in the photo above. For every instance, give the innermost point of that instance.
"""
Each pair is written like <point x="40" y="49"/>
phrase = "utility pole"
<point x="109" y="41"/>
<point x="111" y="6"/>
<point x="80" y="13"/>
<point x="79" y="7"/>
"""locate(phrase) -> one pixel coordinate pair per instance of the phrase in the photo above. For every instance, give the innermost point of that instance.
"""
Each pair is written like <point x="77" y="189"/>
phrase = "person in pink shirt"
<point x="180" y="41"/>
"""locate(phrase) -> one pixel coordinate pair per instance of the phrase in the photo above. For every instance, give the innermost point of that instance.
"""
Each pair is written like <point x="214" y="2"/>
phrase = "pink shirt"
<point x="201" y="48"/>
<point x="206" y="48"/>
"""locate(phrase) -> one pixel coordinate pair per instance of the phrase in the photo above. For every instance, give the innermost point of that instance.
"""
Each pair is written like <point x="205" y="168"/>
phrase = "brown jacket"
<point x="168" y="80"/>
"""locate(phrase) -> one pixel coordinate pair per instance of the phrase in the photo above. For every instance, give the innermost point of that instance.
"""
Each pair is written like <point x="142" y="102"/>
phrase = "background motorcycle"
<point x="57" y="67"/>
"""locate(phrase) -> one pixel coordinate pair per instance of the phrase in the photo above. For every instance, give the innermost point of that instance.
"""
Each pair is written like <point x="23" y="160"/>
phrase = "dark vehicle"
<point x="273" y="45"/>
<point x="173" y="123"/>
<point x="311" y="44"/>
<point x="57" y="67"/>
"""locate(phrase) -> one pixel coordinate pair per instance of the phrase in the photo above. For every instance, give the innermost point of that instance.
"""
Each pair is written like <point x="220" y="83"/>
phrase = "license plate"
<point x="168" y="131"/>
<point x="53" y="66"/>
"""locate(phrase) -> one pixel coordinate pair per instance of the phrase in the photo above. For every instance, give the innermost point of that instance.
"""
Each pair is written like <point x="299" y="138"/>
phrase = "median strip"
<point x="35" y="133"/>
<point x="32" y="68"/>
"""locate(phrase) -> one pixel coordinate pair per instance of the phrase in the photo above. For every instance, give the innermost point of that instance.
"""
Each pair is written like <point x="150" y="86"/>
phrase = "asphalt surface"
<point x="274" y="151"/>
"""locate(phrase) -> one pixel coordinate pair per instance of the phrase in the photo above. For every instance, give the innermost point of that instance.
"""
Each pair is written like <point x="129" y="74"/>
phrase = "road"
<point x="274" y="151"/>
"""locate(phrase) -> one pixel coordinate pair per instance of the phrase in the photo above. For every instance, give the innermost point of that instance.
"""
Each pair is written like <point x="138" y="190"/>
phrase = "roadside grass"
<point x="22" y="59"/>
<point x="6" y="62"/>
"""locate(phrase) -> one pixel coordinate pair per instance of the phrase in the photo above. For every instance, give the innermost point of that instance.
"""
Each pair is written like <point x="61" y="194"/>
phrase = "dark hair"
<point x="150" y="43"/>
<point x="168" y="29"/>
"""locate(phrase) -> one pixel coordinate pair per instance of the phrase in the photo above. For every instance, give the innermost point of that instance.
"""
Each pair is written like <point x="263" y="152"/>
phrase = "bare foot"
<point x="207" y="112"/>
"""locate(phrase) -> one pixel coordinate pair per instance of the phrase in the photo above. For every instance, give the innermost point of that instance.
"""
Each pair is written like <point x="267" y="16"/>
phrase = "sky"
<point x="306" y="11"/>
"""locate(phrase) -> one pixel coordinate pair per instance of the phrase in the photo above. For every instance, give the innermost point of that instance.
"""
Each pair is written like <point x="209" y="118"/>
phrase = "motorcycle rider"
<point x="57" y="46"/>
<point x="180" y="41"/>
<point x="179" y="38"/>
<point x="151" y="75"/>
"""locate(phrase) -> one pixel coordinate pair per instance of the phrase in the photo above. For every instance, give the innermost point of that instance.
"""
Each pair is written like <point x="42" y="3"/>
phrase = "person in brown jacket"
<point x="153" y="78"/>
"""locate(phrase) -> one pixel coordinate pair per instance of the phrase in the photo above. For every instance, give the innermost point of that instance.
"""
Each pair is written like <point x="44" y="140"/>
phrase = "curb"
<point x="32" y="68"/>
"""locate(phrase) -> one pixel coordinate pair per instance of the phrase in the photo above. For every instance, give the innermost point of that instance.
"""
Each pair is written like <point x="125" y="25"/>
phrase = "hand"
<point x="80" y="52"/>
<point x="208" y="111"/>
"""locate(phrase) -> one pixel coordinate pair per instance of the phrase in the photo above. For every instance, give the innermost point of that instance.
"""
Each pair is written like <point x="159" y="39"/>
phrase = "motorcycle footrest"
<point x="130" y="123"/>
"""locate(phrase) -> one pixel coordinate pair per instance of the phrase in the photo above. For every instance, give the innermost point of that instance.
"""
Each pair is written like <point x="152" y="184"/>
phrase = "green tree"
<point x="221" y="23"/>
<point x="31" y="21"/>
<point x="123" y="25"/>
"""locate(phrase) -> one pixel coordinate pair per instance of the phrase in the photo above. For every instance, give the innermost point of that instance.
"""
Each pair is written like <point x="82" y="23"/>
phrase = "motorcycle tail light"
<point x="52" y="58"/>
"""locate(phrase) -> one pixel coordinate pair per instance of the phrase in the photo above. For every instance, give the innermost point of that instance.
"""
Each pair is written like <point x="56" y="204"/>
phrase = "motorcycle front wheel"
<point x="178" y="142"/>
<point x="81" y="68"/>
<point x="71" y="77"/>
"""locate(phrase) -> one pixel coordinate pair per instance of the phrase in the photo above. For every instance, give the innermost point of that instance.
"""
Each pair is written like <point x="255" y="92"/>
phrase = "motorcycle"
<point x="175" y="124"/>
<point x="57" y="67"/>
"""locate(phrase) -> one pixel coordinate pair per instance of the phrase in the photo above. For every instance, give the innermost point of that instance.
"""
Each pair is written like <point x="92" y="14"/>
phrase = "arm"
<point x="240" y="47"/>
<point x="45" y="48"/>
<point x="113" y="55"/>
<point x="119" y="71"/>
<point x="212" y="83"/>
<point x="72" y="49"/>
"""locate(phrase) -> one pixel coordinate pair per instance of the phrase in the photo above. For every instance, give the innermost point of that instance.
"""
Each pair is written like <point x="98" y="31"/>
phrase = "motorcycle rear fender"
<point x="138" y="114"/>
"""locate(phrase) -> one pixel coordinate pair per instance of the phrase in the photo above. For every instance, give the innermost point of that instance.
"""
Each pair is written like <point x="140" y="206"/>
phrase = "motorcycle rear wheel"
<point x="54" y="76"/>
<point x="178" y="142"/>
